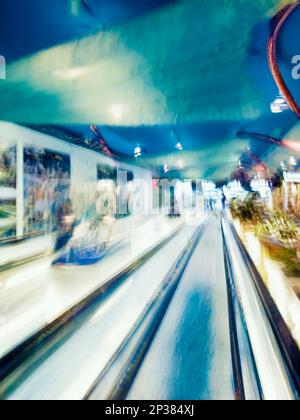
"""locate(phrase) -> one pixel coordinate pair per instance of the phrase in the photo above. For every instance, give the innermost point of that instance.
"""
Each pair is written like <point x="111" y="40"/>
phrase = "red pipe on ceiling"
<point x="281" y="18"/>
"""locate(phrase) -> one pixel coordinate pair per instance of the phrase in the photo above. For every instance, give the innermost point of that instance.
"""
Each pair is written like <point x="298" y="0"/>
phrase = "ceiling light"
<point x="137" y="152"/>
<point x="117" y="111"/>
<point x="70" y="74"/>
<point x="180" y="164"/>
<point x="283" y="165"/>
<point x="75" y="7"/>
<point x="179" y="146"/>
<point x="279" y="104"/>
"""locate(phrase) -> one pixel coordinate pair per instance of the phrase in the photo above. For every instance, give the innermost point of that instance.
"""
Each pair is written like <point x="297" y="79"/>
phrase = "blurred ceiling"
<point x="29" y="26"/>
<point x="148" y="73"/>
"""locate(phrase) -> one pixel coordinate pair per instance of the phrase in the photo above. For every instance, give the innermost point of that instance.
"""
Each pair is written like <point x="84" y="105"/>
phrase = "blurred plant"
<point x="8" y="167"/>
<point x="287" y="257"/>
<point x="4" y="214"/>
<point x="7" y="211"/>
<point x="8" y="179"/>
<point x="250" y="210"/>
<point x="8" y="232"/>
<point x="278" y="226"/>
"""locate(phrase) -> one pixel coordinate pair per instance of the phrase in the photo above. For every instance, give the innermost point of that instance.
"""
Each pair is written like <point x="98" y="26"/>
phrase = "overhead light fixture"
<point x="180" y="164"/>
<point x="75" y="7"/>
<point x="279" y="104"/>
<point x="166" y="168"/>
<point x="137" y="152"/>
<point x="179" y="146"/>
<point x="117" y="111"/>
<point x="2" y="68"/>
<point x="283" y="165"/>
<point x="292" y="161"/>
<point x="70" y="74"/>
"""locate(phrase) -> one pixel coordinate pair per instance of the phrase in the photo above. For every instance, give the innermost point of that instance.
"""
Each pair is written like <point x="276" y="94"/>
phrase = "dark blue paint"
<point x="28" y="26"/>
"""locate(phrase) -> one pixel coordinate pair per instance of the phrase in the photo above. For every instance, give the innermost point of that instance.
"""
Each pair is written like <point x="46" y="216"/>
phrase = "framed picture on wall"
<point x="46" y="188"/>
<point x="8" y="193"/>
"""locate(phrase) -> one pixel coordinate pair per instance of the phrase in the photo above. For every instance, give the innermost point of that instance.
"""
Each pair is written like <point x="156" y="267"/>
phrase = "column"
<point x="286" y="196"/>
<point x="20" y="190"/>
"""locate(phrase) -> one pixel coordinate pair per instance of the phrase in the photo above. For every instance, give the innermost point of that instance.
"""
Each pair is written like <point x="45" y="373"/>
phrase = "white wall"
<point x="83" y="163"/>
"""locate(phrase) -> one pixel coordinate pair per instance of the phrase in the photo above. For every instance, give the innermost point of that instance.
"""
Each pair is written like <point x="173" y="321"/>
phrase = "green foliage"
<point x="8" y="231"/>
<point x="8" y="178"/>
<point x="8" y="167"/>
<point x="250" y="210"/>
<point x="287" y="257"/>
<point x="7" y="211"/>
<point x="3" y="214"/>
<point x="278" y="226"/>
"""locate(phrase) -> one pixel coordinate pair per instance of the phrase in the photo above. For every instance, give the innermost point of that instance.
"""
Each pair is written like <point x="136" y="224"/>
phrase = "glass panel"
<point x="8" y="179"/>
<point x="46" y="188"/>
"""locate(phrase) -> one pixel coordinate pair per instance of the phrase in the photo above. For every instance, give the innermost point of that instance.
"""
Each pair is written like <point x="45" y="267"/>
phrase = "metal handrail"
<point x="288" y="346"/>
<point x="18" y="363"/>
<point x="131" y="354"/>
<point x="235" y="312"/>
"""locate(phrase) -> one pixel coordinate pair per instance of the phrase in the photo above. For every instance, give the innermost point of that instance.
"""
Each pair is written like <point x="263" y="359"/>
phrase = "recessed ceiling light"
<point x="70" y="74"/>
<point x="117" y="111"/>
<point x="279" y="104"/>
<point x="179" y="146"/>
<point x="137" y="152"/>
<point x="292" y="161"/>
<point x="180" y="164"/>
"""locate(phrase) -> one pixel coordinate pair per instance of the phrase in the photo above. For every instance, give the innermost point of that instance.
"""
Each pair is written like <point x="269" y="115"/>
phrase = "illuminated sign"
<point x="292" y="177"/>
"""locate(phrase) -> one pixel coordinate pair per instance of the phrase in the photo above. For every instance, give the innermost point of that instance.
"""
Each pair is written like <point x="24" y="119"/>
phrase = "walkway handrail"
<point x="236" y="315"/>
<point x="116" y="379"/>
<point x="33" y="350"/>
<point x="288" y="346"/>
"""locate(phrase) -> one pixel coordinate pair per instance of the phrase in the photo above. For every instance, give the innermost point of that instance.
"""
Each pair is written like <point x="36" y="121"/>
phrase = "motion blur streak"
<point x="144" y="59"/>
<point x="292" y="145"/>
<point x="197" y="319"/>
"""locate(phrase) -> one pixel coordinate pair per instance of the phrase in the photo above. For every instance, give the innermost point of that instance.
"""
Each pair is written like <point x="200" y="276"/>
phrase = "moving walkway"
<point x="190" y="320"/>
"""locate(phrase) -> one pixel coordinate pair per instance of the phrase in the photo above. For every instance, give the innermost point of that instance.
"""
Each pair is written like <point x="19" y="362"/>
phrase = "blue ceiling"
<point x="185" y="59"/>
<point x="28" y="26"/>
